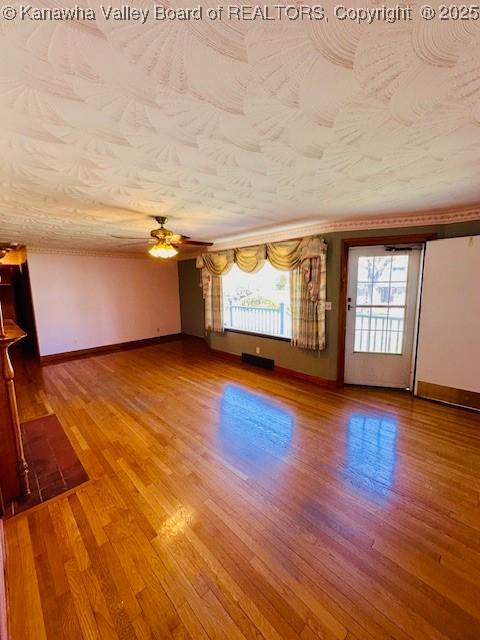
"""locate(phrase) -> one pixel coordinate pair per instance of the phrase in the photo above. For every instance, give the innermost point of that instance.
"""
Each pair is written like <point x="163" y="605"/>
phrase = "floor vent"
<point x="258" y="361"/>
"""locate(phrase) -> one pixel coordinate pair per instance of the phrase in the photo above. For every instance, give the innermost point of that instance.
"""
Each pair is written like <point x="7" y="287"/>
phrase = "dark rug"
<point x="54" y="466"/>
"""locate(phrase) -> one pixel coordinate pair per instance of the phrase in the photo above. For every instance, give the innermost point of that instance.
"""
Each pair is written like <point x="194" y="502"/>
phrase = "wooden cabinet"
<point x="3" y="587"/>
<point x="13" y="466"/>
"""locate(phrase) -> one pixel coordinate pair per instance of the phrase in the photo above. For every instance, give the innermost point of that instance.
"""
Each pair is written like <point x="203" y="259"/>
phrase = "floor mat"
<point x="54" y="467"/>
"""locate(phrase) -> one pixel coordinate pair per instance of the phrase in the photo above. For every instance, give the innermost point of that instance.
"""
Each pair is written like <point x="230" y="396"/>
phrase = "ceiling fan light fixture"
<point x="162" y="250"/>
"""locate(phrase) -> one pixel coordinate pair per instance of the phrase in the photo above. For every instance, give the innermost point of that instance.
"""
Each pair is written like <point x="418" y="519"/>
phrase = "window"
<point x="380" y="304"/>
<point x="258" y="302"/>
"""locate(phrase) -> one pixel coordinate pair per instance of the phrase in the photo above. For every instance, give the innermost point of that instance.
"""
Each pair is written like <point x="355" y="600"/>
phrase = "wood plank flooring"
<point x="228" y="502"/>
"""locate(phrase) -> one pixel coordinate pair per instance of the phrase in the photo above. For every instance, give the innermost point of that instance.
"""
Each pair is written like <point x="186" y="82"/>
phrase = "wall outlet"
<point x="328" y="306"/>
<point x="257" y="349"/>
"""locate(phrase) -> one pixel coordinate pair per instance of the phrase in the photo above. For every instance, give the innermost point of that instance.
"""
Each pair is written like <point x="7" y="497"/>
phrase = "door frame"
<point x="347" y="243"/>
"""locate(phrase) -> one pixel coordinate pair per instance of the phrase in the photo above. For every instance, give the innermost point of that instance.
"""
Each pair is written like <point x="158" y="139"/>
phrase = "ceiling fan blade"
<point x="145" y="243"/>
<point x="132" y="244"/>
<point x="129" y="238"/>
<point x="198" y="243"/>
<point x="177" y="237"/>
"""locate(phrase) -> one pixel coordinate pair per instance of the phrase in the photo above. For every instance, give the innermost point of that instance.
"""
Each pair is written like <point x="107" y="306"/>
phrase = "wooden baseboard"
<point x="135" y="344"/>
<point x="226" y="356"/>
<point x="109" y="348"/>
<point x="306" y="377"/>
<point x="3" y="587"/>
<point x="450" y="395"/>
<point x="199" y="339"/>
<point x="282" y="371"/>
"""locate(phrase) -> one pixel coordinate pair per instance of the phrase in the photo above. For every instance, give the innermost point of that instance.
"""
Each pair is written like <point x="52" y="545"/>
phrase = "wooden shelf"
<point x="13" y="333"/>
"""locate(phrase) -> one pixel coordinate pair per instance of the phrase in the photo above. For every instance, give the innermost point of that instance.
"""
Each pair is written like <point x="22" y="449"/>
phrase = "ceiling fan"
<point x="164" y="242"/>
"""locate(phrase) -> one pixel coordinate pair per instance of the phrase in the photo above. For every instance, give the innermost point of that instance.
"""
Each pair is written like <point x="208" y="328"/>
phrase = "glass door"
<point x="381" y="315"/>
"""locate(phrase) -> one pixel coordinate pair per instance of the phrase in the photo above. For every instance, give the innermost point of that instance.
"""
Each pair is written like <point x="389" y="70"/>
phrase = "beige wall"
<point x="81" y="302"/>
<point x="449" y="337"/>
<point x="324" y="364"/>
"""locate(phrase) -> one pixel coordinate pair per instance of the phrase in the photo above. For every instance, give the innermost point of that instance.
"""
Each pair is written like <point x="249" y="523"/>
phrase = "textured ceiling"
<point x="231" y="126"/>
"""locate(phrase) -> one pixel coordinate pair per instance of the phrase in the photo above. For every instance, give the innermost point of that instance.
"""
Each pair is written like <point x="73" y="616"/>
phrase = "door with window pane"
<point x="382" y="299"/>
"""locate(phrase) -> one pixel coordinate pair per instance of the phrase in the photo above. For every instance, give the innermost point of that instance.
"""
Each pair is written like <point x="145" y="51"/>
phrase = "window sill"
<point x="257" y="335"/>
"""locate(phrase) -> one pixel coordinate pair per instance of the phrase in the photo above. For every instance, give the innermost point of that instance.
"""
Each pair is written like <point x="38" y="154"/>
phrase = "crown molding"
<point x="85" y="253"/>
<point x="292" y="230"/>
<point x="278" y="234"/>
<point x="92" y="253"/>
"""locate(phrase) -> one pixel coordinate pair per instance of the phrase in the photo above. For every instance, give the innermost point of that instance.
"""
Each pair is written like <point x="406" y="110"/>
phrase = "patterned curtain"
<point x="214" y="305"/>
<point x="306" y="261"/>
<point x="213" y="266"/>
<point x="308" y="295"/>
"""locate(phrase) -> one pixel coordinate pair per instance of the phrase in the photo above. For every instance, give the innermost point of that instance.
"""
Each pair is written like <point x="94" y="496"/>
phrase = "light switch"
<point x="328" y="306"/>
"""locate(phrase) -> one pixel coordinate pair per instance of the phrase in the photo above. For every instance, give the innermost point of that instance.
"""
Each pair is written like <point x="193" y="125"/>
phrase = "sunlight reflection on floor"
<point x="371" y="453"/>
<point x="253" y="428"/>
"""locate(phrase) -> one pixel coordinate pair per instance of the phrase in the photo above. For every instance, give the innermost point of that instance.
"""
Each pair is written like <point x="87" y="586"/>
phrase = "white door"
<point x="382" y="299"/>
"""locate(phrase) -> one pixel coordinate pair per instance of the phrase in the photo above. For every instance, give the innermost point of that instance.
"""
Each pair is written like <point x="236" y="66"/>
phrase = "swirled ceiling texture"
<point x="231" y="126"/>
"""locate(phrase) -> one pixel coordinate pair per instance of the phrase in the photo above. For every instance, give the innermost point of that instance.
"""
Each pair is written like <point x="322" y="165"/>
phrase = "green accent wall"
<point x="192" y="310"/>
<point x="322" y="364"/>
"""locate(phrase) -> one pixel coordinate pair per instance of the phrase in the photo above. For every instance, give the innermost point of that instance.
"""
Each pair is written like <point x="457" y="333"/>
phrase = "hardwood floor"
<point x="228" y="502"/>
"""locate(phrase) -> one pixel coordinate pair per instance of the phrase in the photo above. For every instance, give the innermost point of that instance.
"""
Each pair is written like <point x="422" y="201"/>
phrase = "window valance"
<point x="286" y="256"/>
<point x="305" y="259"/>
